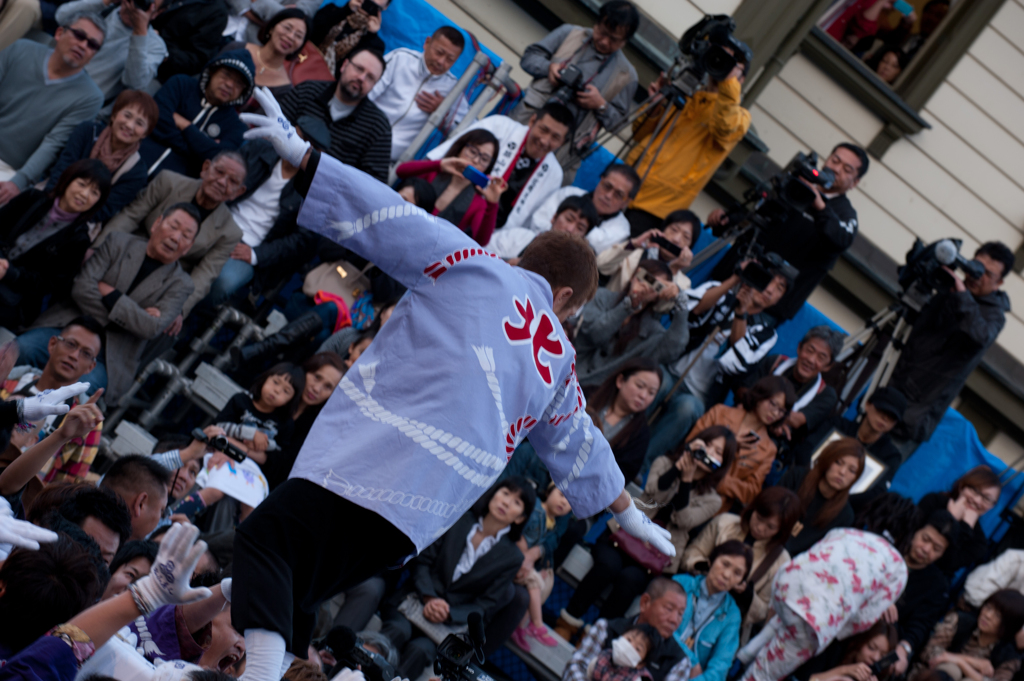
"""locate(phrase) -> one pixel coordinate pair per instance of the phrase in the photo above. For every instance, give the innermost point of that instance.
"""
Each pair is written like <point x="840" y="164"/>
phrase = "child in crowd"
<point x="357" y="348"/>
<point x="418" y="192"/>
<point x="626" y="658"/>
<point x="259" y="421"/>
<point x="541" y="535"/>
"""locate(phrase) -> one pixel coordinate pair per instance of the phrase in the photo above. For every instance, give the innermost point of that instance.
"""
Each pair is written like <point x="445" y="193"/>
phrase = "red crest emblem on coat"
<point x="537" y="330"/>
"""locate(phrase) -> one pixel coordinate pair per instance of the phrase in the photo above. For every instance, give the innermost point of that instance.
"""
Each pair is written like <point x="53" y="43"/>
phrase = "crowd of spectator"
<point x="132" y="208"/>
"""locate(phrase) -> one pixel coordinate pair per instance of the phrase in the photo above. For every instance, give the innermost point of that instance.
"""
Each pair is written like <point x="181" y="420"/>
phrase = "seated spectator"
<point x="618" y="408"/>
<point x="1004" y="572"/>
<point x="132" y="562"/>
<point x="103" y="516"/>
<point x="619" y="262"/>
<point x="415" y="83"/>
<point x="618" y="326"/>
<point x="765" y="525"/>
<point x="340" y="31"/>
<point x="543" y="531"/>
<point x="824" y="492"/>
<point x="273" y="246"/>
<point x="43" y="588"/>
<point x="764" y="406"/>
<point x="853" y="657"/>
<point x="576" y="215"/>
<point x="466" y="571"/>
<point x="142" y="485"/>
<point x="710" y="631"/>
<point x="134" y="116"/>
<point x="525" y="159"/>
<point x="815" y="399"/>
<point x="134" y="288"/>
<point x="618" y="185"/>
<point x="976" y="647"/>
<point x="713" y="308"/>
<point x="323" y="372"/>
<point x="888" y="63"/>
<point x="417" y="191"/>
<point x="259" y="421"/>
<point x="221" y="180"/>
<point x="627" y="657"/>
<point x="661" y="606"/>
<point x="882" y="412"/>
<point x="43" y="238"/>
<point x="192" y="32"/>
<point x="45" y="95"/>
<point x="973" y="495"/>
<point x="198" y="120"/>
<point x="459" y="201"/>
<point x="281" y="40"/>
<point x="610" y="81"/>
<point x="132" y="51"/>
<point x="932" y="15"/>
<point x="360" y="132"/>
<point x="860" y="20"/>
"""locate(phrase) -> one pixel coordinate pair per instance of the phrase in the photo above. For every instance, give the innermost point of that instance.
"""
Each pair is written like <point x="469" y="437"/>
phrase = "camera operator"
<point x="605" y="81"/>
<point x="132" y="50"/>
<point x="950" y="336"/>
<point x="813" y="240"/>
<point x="709" y="126"/>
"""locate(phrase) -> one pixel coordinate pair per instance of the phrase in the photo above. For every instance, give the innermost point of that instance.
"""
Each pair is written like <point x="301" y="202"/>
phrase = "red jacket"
<point x="478" y="221"/>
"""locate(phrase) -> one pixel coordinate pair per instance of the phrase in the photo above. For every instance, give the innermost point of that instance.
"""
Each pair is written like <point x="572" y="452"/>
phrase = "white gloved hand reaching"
<point x="168" y="580"/>
<point x="273" y="126"/>
<point x="635" y="523"/>
<point x="225" y="589"/>
<point x="20" y="533"/>
<point x="347" y="674"/>
<point x="49" y="403"/>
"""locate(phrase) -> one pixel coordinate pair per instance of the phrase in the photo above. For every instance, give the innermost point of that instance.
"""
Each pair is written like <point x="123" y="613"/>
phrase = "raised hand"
<point x="168" y="581"/>
<point x="49" y="402"/>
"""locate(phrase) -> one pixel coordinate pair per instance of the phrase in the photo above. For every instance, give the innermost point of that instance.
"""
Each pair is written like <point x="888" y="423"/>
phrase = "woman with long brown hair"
<point x="853" y="657"/>
<point x="824" y="492"/>
<point x="766" y="524"/>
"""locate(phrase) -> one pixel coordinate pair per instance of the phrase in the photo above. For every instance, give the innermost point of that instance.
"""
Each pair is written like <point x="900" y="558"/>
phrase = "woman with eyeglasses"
<point x="764" y="406"/>
<point x="972" y="496"/>
<point x="43" y="239"/>
<point x="459" y="201"/>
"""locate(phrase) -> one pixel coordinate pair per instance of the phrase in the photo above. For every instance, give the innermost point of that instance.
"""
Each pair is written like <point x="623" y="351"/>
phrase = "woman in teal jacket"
<point x="710" y="631"/>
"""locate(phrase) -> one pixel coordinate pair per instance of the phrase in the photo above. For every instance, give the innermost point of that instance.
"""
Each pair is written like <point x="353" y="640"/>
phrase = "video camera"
<point x="923" y="274"/>
<point x="879" y="667"/>
<point x="347" y="649"/>
<point x="455" y="655"/>
<point x="700" y="455"/>
<point x="763" y="267"/>
<point x="221" y="444"/>
<point x="703" y="54"/>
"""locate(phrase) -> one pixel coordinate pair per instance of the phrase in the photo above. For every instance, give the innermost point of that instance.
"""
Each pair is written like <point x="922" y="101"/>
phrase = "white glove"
<point x="347" y="674"/>
<point x="168" y="580"/>
<point x="273" y="126"/>
<point x="49" y="402"/>
<point x="225" y="589"/>
<point x="640" y="526"/>
<point x="20" y="533"/>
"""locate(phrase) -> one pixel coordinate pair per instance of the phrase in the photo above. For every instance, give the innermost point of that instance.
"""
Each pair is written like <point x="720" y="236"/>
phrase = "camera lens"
<point x="718" y="63"/>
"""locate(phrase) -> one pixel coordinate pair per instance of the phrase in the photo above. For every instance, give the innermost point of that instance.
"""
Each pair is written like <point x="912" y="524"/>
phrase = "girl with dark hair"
<point x="618" y="408"/>
<point x="824" y="492"/>
<point x="459" y="201"/>
<point x="43" y="240"/>
<point x="617" y="326"/>
<point x="973" y="495"/>
<point x="469" y="569"/>
<point x="260" y="421"/>
<point x="765" y="525"/>
<point x="764" y="406"/>
<point x="281" y="40"/>
<point x="852" y="658"/>
<point x="977" y="647"/>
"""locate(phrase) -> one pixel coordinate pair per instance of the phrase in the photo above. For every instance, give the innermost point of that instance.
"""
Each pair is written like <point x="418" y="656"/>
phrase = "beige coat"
<point x="722" y="529"/>
<point x="702" y="507"/>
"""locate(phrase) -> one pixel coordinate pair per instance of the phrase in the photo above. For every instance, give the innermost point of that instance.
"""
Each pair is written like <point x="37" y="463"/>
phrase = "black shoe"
<point x="302" y="329"/>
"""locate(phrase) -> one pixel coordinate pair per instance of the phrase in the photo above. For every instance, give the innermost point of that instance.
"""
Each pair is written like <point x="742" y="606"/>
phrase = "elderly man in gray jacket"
<point x="134" y="288"/>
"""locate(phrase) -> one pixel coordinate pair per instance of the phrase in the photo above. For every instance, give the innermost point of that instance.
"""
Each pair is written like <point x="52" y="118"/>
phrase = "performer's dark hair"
<point x="564" y="260"/>
<point x="892" y="516"/>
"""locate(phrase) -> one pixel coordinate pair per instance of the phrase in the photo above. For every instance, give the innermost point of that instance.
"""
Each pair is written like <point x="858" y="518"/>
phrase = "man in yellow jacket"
<point x="706" y="130"/>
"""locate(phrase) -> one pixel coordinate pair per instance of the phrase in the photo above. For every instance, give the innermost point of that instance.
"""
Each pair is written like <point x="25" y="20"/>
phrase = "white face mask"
<point x="624" y="654"/>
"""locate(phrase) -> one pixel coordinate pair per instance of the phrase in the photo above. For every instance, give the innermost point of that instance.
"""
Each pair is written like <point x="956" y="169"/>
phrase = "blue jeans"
<point x="234" y="275"/>
<point x="33" y="348"/>
<point x="678" y="416"/>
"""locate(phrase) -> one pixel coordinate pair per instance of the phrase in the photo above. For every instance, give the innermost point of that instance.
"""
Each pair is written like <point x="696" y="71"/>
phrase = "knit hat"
<point x="240" y="61"/>
<point x="889" y="400"/>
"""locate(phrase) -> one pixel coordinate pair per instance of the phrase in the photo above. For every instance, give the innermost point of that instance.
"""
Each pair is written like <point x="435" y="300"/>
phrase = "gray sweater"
<point x="37" y="115"/>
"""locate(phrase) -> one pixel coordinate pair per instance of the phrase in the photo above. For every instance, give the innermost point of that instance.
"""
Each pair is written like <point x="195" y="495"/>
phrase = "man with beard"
<point x="360" y="132"/>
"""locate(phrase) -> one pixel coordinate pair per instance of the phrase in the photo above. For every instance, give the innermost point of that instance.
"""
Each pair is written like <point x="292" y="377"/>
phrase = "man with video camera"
<point x="585" y="70"/>
<point x="813" y="239"/>
<point x="950" y="336"/>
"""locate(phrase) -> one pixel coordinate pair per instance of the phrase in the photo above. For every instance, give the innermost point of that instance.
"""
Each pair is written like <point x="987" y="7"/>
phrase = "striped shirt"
<point x="361" y="139"/>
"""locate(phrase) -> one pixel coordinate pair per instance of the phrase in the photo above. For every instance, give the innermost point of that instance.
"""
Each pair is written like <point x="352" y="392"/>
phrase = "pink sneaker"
<point x="541" y="634"/>
<point x="519" y="638"/>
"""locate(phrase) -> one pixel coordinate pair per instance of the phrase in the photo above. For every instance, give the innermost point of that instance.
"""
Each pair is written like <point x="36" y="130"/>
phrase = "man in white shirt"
<point x="415" y="83"/>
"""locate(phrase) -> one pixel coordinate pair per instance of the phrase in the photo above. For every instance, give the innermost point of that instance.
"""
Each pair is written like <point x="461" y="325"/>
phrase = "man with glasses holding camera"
<point x="585" y="70"/>
<point x="45" y="95"/>
<point x="133" y="49"/>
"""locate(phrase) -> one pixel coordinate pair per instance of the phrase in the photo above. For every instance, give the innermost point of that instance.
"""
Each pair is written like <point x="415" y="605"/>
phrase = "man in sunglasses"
<point x="45" y="94"/>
